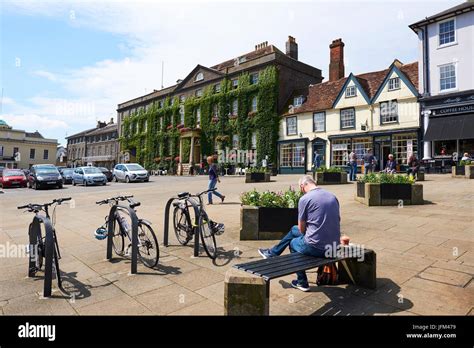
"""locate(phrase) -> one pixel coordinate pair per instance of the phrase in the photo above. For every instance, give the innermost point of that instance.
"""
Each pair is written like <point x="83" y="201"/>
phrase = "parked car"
<point x="13" y="177"/>
<point x="42" y="175"/>
<point x="129" y="172"/>
<point x="88" y="176"/>
<point x="67" y="173"/>
<point x="107" y="173"/>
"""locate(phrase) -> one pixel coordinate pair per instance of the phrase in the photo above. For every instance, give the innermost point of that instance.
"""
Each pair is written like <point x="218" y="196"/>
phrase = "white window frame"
<point x="297" y="101"/>
<point x="323" y="113"/>
<point x="455" y="77"/>
<point x="217" y="88"/>
<point x="198" y="93"/>
<point x="235" y="141"/>
<point x="235" y="83"/>
<point x="350" y="88"/>
<point x="254" y="78"/>
<point x="198" y="116"/>
<point x="394" y="79"/>
<point x="254" y="105"/>
<point x="199" y="77"/>
<point x="295" y="118"/>
<point x="342" y="121"/>
<point x="235" y="107"/>
<point x="389" y="113"/>
<point x="455" y="34"/>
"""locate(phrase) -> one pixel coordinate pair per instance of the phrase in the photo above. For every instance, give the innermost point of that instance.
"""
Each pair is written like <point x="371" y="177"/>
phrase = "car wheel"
<point x="127" y="179"/>
<point x="115" y="178"/>
<point x="84" y="183"/>
<point x="35" y="185"/>
<point x="60" y="186"/>
<point x="73" y="183"/>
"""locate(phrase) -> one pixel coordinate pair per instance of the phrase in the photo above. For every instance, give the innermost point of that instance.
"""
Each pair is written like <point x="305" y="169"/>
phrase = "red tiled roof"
<point x="248" y="56"/>
<point x="322" y="96"/>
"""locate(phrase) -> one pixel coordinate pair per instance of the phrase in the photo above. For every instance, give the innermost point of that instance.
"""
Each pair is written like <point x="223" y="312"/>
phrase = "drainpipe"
<point x="426" y="92"/>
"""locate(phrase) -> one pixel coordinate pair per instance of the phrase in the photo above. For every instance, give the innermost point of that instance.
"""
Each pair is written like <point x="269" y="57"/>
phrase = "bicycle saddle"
<point x="183" y="194"/>
<point x="134" y="204"/>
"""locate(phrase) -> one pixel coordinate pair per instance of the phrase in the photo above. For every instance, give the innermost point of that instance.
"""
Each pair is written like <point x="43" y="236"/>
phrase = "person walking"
<point x="213" y="180"/>
<point x="369" y="162"/>
<point x="316" y="160"/>
<point x="352" y="166"/>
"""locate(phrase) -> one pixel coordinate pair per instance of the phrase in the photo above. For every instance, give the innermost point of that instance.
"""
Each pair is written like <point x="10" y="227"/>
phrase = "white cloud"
<point x="32" y="122"/>
<point x="46" y="74"/>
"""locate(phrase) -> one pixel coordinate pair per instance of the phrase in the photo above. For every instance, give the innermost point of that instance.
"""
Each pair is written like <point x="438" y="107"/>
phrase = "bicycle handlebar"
<point x="37" y="206"/>
<point x="204" y="192"/>
<point x="115" y="199"/>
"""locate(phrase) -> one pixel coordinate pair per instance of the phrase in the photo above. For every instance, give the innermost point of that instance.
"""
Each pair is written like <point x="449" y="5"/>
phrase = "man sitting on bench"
<point x="318" y="227"/>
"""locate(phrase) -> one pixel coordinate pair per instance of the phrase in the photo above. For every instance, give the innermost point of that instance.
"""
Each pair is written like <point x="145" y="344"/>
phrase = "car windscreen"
<point x="91" y="170"/>
<point x="46" y="170"/>
<point x="67" y="171"/>
<point x="134" y="167"/>
<point x="13" y="173"/>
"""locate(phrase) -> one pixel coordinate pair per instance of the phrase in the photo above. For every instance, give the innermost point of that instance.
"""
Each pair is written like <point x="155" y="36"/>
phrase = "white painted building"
<point x="446" y="75"/>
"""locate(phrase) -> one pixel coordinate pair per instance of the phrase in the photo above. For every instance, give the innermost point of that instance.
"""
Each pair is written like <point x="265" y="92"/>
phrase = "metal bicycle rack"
<point x="34" y="232"/>
<point x="110" y="227"/>
<point x="195" y="225"/>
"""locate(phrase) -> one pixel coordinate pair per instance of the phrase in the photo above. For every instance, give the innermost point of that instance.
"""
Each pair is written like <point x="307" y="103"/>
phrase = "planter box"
<point x="257" y="177"/>
<point x="389" y="194"/>
<point x="463" y="171"/>
<point x="326" y="178"/>
<point x="257" y="223"/>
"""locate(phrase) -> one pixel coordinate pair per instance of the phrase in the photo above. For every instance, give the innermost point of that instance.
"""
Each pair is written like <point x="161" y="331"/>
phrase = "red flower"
<point x="176" y="158"/>
<point x="179" y="126"/>
<point x="170" y="126"/>
<point x="233" y="117"/>
<point x="185" y="129"/>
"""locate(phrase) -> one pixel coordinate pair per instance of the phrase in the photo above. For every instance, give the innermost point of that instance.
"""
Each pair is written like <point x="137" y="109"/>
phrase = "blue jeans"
<point x="212" y="184"/>
<point x="368" y="168"/>
<point x="353" y="171"/>
<point x="295" y="240"/>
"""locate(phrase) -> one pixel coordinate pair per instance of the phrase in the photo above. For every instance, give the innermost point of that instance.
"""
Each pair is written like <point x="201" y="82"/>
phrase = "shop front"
<point x="449" y="128"/>
<point x="292" y="156"/>
<point x="401" y="143"/>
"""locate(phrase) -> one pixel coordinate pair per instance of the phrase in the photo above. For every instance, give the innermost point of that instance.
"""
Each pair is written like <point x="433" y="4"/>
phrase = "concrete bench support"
<point x="364" y="272"/>
<point x="245" y="294"/>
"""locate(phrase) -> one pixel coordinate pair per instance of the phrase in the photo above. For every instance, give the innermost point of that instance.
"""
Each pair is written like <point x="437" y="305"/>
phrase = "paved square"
<point x="425" y="255"/>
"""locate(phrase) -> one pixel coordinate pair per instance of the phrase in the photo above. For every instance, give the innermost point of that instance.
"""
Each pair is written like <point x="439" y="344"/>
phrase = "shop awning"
<point x="450" y="128"/>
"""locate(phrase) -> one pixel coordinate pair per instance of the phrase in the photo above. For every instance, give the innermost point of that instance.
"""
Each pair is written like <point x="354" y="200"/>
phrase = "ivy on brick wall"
<point x="154" y="133"/>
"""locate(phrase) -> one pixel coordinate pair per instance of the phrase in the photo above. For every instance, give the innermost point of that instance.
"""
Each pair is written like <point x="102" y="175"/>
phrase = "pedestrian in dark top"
<point x="413" y="165"/>
<point x="352" y="166"/>
<point x="213" y="180"/>
<point x="391" y="165"/>
<point x="369" y="162"/>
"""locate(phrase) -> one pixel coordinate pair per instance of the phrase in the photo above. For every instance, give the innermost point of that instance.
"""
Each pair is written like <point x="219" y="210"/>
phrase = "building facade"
<point x="376" y="110"/>
<point x="446" y="60"/>
<point x="98" y="146"/>
<point x="20" y="149"/>
<point x="234" y="105"/>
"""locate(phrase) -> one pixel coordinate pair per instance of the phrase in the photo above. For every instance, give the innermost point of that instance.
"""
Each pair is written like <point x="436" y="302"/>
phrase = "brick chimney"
<point x="292" y="48"/>
<point x="336" y="60"/>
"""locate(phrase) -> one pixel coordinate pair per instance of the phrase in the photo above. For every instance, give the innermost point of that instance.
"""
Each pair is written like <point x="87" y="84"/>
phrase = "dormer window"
<point x="297" y="101"/>
<point x="199" y="77"/>
<point x="351" y="91"/>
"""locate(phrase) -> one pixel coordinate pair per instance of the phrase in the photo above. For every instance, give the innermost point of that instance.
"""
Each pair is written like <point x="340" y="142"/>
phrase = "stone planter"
<point x="257" y="223"/>
<point x="389" y="194"/>
<point x="327" y="178"/>
<point x="463" y="171"/>
<point x="257" y="177"/>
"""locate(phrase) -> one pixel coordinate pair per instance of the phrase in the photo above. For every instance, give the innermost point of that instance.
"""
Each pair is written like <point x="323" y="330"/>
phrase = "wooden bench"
<point x="250" y="296"/>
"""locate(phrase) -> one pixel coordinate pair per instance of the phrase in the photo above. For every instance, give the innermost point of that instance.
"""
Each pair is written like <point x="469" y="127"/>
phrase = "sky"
<point x="64" y="65"/>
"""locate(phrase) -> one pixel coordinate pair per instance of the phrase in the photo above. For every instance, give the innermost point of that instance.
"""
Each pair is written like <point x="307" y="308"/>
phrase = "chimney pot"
<point x="292" y="48"/>
<point x="336" y="60"/>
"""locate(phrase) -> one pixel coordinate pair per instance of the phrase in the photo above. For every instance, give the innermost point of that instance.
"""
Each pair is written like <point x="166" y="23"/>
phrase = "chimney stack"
<point x="336" y="60"/>
<point x="292" y="48"/>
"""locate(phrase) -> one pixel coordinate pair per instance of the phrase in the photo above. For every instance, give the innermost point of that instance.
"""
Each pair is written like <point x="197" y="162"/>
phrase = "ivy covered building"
<point x="234" y="104"/>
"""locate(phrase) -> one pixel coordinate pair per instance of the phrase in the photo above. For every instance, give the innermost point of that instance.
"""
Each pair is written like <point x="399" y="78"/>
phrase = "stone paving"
<point x="425" y="255"/>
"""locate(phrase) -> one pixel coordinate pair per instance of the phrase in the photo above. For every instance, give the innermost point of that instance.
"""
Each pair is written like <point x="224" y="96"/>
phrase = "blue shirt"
<point x="320" y="210"/>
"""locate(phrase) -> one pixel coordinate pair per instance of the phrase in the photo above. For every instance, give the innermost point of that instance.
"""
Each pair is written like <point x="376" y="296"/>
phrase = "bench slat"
<point x="273" y="262"/>
<point x="300" y="267"/>
<point x="287" y="264"/>
<point x="269" y="260"/>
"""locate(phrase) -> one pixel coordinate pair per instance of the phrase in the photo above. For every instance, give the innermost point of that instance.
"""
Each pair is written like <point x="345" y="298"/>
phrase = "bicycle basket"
<point x="100" y="233"/>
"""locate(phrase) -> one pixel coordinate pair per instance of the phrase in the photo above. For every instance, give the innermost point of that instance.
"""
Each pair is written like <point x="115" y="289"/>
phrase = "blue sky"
<point x="66" y="64"/>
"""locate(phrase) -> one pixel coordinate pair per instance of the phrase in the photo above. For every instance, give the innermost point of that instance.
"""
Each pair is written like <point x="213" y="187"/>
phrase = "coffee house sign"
<point x="451" y="106"/>
<point x="462" y="109"/>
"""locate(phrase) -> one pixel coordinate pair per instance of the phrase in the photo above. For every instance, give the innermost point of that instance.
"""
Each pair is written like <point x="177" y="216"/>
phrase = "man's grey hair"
<point x="307" y="179"/>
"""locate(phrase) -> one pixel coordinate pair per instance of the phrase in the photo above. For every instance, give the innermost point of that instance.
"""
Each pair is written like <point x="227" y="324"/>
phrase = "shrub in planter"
<point x="257" y="174"/>
<point x="330" y="176"/>
<point x="268" y="215"/>
<point x="465" y="169"/>
<point x="388" y="189"/>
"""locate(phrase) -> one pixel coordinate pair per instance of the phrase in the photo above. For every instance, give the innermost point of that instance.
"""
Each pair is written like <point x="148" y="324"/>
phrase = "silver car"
<point x="129" y="172"/>
<point x="88" y="176"/>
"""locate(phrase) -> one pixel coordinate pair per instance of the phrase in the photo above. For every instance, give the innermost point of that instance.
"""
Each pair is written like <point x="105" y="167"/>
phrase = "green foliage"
<point x="269" y="199"/>
<point x="324" y="169"/>
<point x="385" y="178"/>
<point x="465" y="162"/>
<point x="256" y="170"/>
<point x="160" y="138"/>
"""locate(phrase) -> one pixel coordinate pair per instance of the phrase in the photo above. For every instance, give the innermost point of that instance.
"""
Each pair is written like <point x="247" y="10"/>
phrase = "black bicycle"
<point x="37" y="247"/>
<point x="148" y="249"/>
<point x="184" y="227"/>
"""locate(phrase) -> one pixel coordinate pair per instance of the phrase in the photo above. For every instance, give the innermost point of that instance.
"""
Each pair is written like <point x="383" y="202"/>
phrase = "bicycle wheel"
<point x="182" y="227"/>
<point x="207" y="236"/>
<point x="148" y="249"/>
<point x="118" y="241"/>
<point x="56" y="267"/>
